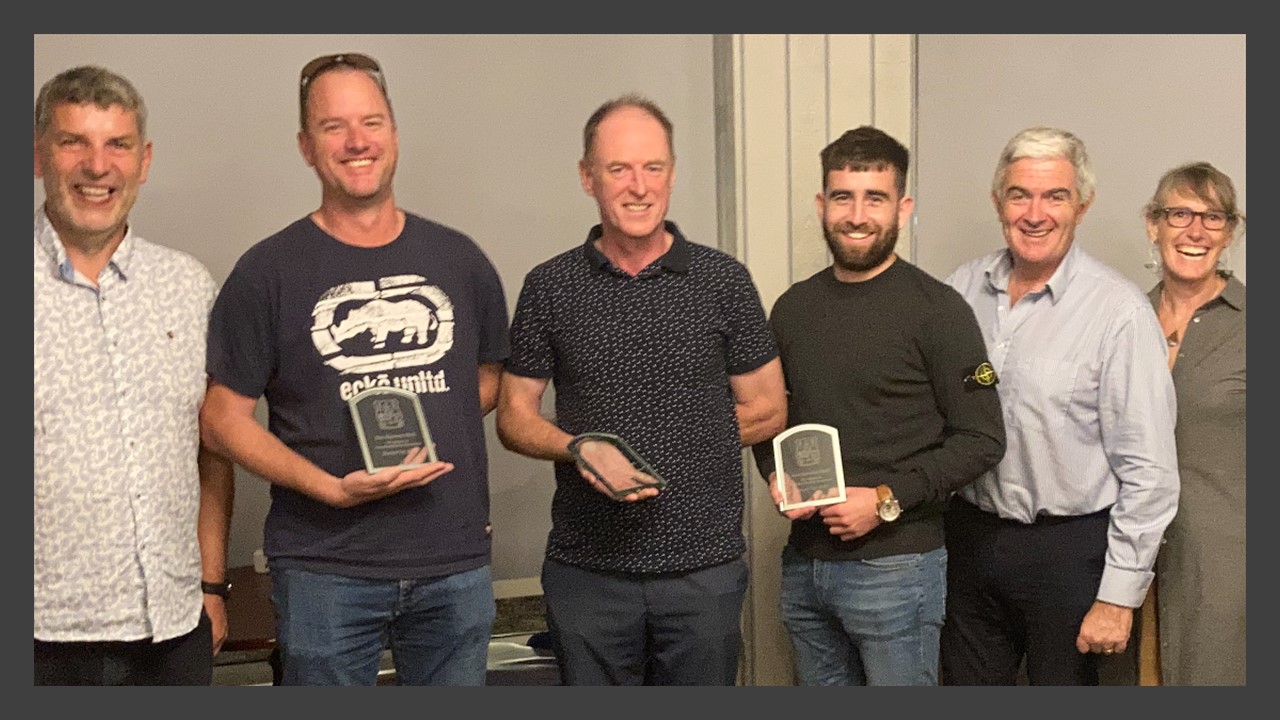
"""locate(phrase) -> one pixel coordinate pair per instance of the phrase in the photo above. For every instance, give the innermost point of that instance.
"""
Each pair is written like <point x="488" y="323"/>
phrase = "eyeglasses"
<point x="324" y="62"/>
<point x="1182" y="217"/>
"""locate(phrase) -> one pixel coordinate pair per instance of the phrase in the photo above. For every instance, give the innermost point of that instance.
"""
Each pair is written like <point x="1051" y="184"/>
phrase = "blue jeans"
<point x="865" y="622"/>
<point x="332" y="629"/>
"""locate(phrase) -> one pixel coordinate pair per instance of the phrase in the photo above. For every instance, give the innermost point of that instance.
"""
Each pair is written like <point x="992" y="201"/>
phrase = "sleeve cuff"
<point x="1124" y="587"/>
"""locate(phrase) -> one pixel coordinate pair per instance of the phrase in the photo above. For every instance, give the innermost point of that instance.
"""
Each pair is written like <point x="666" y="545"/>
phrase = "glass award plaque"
<point x="612" y="461"/>
<point x="389" y="423"/>
<point x="808" y="467"/>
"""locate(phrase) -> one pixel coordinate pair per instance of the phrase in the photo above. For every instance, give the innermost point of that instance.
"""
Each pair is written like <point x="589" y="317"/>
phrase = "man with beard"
<point x="894" y="360"/>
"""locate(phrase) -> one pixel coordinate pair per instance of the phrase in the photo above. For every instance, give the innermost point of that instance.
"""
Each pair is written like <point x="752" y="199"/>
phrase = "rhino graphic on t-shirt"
<point x="406" y="322"/>
<point x="383" y="317"/>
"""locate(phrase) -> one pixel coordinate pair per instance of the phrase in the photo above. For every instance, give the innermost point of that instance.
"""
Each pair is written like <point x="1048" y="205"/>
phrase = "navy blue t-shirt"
<point x="307" y="321"/>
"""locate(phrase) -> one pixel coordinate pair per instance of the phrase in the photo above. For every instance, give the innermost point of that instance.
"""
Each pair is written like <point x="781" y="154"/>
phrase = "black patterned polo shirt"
<point x="648" y="358"/>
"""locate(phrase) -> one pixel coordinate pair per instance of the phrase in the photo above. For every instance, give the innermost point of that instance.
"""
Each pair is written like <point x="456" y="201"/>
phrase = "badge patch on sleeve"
<point x="982" y="376"/>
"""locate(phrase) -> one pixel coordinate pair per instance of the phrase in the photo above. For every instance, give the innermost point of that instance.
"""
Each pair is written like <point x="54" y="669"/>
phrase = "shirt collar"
<point x="1232" y="295"/>
<point x="675" y="259"/>
<point x="1001" y="266"/>
<point x="48" y="241"/>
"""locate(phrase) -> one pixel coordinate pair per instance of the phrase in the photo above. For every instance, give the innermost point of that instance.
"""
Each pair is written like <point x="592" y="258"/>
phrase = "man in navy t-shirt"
<point x="361" y="294"/>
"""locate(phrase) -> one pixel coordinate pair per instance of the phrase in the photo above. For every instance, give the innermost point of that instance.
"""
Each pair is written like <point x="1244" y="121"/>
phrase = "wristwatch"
<point x="886" y="504"/>
<point x="221" y="589"/>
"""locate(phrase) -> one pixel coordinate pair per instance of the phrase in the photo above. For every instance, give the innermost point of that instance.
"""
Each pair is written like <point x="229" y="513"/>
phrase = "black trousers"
<point x="646" y="629"/>
<point x="1018" y="591"/>
<point x="184" y="660"/>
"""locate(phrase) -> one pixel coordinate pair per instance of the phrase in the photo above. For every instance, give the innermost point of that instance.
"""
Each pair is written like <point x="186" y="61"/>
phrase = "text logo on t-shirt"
<point x="382" y="325"/>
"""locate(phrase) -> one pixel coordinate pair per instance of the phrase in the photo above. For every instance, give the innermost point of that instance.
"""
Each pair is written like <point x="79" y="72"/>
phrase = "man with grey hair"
<point x="131" y="512"/>
<point x="1050" y="552"/>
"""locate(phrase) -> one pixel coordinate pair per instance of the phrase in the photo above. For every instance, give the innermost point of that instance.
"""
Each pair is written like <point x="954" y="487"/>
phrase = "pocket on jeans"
<point x="894" y="562"/>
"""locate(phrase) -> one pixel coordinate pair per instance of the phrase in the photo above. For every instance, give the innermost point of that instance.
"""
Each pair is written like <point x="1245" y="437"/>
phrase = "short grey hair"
<point x="1045" y="143"/>
<point x="85" y="84"/>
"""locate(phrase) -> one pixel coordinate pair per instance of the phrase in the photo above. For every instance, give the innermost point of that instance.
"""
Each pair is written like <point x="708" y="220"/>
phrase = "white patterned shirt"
<point x="1089" y="408"/>
<point x="119" y="378"/>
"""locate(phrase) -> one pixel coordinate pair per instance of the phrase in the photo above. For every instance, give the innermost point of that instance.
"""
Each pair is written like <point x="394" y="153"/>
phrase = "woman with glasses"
<point x="1200" y="584"/>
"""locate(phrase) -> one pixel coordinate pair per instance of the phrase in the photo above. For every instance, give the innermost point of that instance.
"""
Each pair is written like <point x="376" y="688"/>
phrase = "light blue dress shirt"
<point x="1089" y="408"/>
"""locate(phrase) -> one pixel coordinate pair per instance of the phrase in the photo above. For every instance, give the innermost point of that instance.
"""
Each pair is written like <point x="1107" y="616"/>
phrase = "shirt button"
<point x="1195" y="320"/>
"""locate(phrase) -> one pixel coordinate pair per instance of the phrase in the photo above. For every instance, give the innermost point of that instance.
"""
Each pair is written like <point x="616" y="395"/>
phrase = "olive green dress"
<point x="1201" y="567"/>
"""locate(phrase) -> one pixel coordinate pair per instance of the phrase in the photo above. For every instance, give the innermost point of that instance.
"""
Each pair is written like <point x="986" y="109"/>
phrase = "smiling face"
<point x="861" y="213"/>
<point x="1039" y="209"/>
<point x="1190" y="254"/>
<point x="93" y="161"/>
<point x="630" y="173"/>
<point x="350" y="138"/>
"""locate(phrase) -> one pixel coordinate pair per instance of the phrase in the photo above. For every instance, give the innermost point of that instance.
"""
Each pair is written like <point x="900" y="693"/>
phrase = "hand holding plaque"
<point x="809" y="470"/>
<point x="611" y="461"/>
<point x="389" y="423"/>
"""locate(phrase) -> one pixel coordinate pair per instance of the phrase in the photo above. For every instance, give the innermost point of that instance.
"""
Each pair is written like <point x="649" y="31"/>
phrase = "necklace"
<point x="1169" y="315"/>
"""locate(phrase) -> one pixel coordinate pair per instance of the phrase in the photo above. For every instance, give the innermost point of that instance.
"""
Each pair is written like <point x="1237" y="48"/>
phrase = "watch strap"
<point x="221" y="589"/>
<point x="887" y="507"/>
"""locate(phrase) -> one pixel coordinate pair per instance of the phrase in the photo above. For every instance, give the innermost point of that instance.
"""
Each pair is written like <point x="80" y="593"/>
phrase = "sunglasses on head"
<point x="355" y="60"/>
<point x="324" y="62"/>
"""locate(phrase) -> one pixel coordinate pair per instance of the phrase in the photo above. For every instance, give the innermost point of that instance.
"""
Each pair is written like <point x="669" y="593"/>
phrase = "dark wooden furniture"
<point x="251" y="618"/>
<point x="250" y="614"/>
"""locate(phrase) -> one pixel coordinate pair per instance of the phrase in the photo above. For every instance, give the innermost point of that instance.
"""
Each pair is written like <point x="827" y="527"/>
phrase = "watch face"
<point x="889" y="510"/>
